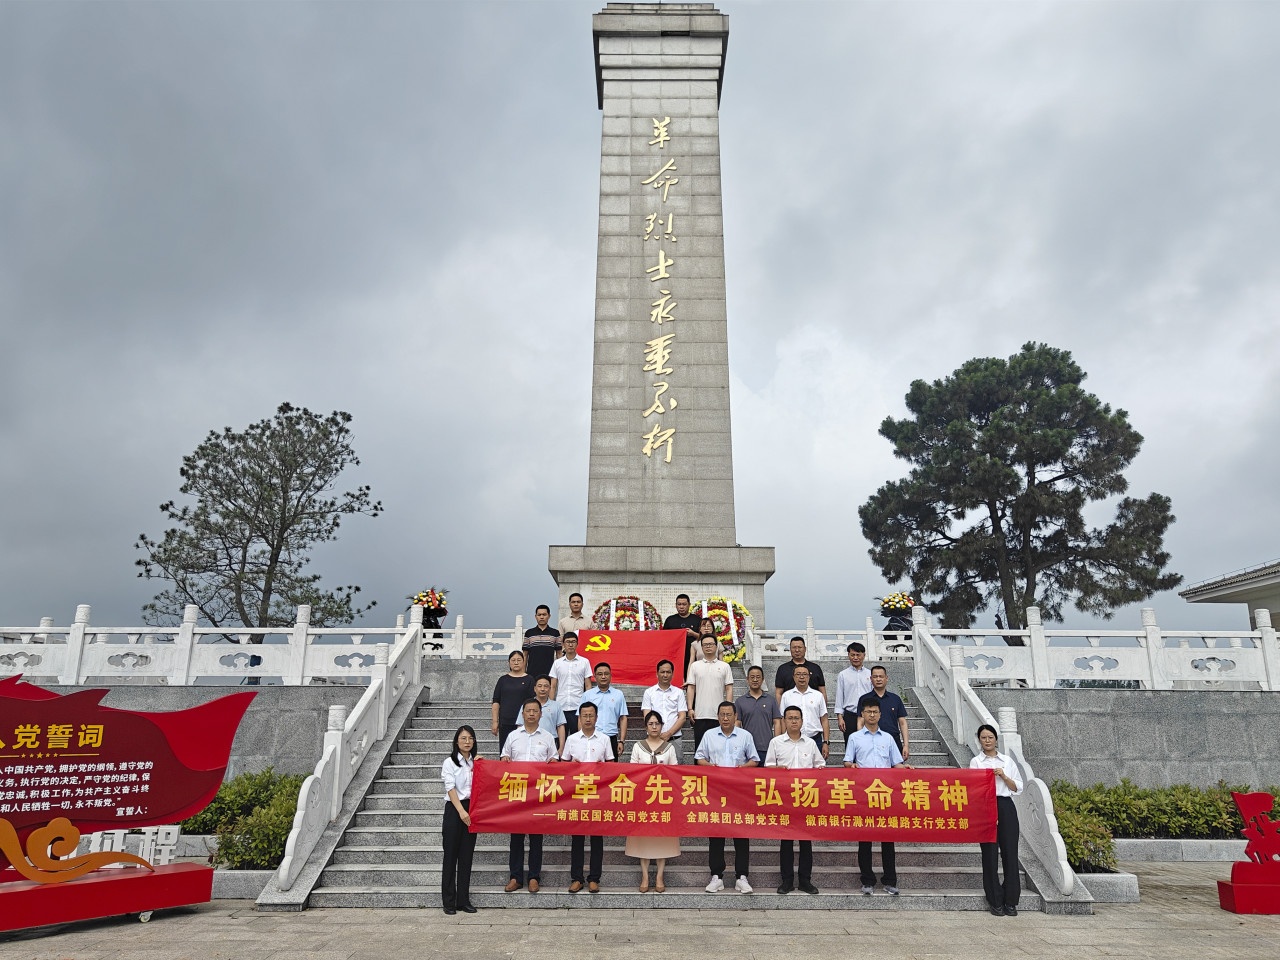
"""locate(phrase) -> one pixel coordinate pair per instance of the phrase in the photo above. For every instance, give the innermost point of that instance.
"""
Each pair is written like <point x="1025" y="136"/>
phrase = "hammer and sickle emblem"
<point x="599" y="643"/>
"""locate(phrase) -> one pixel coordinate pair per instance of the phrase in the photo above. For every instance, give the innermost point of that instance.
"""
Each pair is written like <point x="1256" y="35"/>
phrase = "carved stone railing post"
<point x="1008" y="724"/>
<point x="181" y="675"/>
<point x="871" y="641"/>
<point x="1270" y="655"/>
<point x="333" y="737"/>
<point x="459" y="637"/>
<point x="1041" y="675"/>
<point x="381" y="671"/>
<point x="918" y="628"/>
<point x="957" y="677"/>
<point x="298" y="640"/>
<point x="1154" y="642"/>
<point x="75" y="643"/>
<point x="810" y="640"/>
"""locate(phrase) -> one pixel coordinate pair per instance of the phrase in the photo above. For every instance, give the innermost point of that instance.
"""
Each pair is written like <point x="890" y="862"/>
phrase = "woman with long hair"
<point x="1001" y="897"/>
<point x="653" y="749"/>
<point x="459" y="842"/>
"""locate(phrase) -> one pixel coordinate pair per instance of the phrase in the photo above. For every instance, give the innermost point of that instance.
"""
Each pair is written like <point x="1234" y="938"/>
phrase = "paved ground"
<point x="1178" y="918"/>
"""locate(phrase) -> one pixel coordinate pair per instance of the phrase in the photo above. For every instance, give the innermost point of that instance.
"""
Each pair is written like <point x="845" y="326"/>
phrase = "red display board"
<point x="1254" y="886"/>
<point x="633" y="655"/>
<point x="69" y="764"/>
<point x="103" y="893"/>
<point x="625" y="799"/>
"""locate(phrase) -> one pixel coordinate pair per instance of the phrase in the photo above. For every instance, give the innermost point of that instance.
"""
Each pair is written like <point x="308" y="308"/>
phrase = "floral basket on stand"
<point x="730" y="619"/>
<point x="434" y="602"/>
<point x="896" y="608"/>
<point x="625" y="613"/>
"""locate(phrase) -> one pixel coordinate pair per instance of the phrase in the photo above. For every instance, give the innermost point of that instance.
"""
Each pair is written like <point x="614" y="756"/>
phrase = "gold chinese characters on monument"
<point x="657" y="352"/>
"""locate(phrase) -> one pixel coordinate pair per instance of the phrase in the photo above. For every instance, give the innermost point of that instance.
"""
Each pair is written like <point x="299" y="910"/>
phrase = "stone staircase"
<point x="390" y="854"/>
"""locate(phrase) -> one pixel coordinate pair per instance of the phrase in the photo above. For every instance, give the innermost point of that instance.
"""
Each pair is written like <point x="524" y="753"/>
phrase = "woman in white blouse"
<point x="459" y="842"/>
<point x="1002" y="897"/>
<point x="653" y="749"/>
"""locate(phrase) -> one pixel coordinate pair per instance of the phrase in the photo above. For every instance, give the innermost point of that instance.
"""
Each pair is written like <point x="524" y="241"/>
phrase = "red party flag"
<point x="633" y="655"/>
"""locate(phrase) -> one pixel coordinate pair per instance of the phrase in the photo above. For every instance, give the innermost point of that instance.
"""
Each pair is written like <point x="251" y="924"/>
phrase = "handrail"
<point x="347" y="743"/>
<point x="946" y="680"/>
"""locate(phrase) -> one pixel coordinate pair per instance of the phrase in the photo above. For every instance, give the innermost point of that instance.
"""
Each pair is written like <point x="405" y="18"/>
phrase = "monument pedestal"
<point x="658" y="574"/>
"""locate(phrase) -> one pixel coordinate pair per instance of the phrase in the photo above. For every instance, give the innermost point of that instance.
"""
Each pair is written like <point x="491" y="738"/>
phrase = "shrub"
<point x="252" y="815"/>
<point x="1090" y="848"/>
<point x="1179" y="812"/>
<point x="239" y="797"/>
<point x="256" y="841"/>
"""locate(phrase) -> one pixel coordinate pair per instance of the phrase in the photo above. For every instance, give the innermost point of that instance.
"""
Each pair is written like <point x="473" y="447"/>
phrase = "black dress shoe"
<point x="997" y="911"/>
<point x="1010" y="911"/>
<point x="785" y="888"/>
<point x="449" y="911"/>
<point x="808" y="888"/>
<point x="467" y="908"/>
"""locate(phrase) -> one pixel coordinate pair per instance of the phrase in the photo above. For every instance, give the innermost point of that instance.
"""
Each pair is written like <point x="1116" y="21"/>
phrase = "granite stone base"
<point x="1178" y="851"/>
<point x="1117" y="887"/>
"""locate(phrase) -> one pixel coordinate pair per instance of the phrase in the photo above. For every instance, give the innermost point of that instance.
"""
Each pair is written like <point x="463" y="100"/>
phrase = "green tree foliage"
<point x="263" y="499"/>
<point x="1006" y="456"/>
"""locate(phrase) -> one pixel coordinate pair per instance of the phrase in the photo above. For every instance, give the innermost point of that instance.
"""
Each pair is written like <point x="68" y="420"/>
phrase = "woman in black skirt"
<point x="1001" y="897"/>
<point x="459" y="842"/>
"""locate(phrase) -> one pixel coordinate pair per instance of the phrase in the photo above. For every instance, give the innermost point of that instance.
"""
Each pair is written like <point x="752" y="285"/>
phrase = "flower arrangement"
<point x="433" y="598"/>
<point x="730" y="620"/>
<point x="627" y="615"/>
<point x="896" y="603"/>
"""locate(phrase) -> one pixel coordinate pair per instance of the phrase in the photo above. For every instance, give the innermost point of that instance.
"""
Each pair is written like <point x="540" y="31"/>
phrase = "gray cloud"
<point x="391" y="209"/>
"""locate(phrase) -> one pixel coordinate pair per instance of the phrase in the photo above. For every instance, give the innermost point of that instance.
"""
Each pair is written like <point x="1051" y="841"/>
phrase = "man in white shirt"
<point x="872" y="748"/>
<point x="587" y="746"/>
<point x="795" y="751"/>
<point x="813" y="705"/>
<point x="552" y="719"/>
<point x="710" y="682"/>
<point x="668" y="701"/>
<point x="528" y="742"/>
<point x="853" y="681"/>
<point x="570" y="676"/>
<point x="575" y="622"/>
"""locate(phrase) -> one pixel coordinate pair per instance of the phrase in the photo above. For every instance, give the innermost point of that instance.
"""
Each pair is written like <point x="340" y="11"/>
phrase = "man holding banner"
<point x="528" y="743"/>
<point x="586" y="746"/>
<point x="728" y="746"/>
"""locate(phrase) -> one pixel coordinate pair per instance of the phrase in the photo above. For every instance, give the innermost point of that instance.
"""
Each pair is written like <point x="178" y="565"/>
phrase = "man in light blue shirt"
<point x="871" y="747"/>
<point x="728" y="746"/>
<point x="611" y="708"/>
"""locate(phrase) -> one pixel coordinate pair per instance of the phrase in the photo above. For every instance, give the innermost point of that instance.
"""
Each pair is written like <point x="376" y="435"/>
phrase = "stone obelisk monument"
<point x="660" y="511"/>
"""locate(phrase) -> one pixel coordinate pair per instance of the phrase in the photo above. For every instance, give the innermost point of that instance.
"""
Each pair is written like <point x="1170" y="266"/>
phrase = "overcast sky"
<point x="390" y="209"/>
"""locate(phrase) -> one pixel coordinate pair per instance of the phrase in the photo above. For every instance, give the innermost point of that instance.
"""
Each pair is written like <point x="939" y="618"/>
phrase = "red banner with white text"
<point x="633" y="655"/>
<point x="626" y="799"/>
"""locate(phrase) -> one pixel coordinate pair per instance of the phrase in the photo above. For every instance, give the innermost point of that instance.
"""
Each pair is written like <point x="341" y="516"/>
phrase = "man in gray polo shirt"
<point x="757" y="712"/>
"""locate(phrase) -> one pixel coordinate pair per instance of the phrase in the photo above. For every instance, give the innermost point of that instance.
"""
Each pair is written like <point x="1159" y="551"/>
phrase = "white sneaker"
<point x="715" y="886"/>
<point x="742" y="886"/>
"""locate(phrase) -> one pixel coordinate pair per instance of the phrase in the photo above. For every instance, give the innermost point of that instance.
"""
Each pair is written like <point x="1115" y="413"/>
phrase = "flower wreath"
<point x="730" y="620"/>
<point x="896" y="603"/>
<point x="627" y="614"/>
<point x="433" y="598"/>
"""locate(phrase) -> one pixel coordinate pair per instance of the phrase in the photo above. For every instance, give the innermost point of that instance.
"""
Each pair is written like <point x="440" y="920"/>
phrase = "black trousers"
<point x="700" y="729"/>
<point x="516" y="858"/>
<point x="459" y="847"/>
<point x="888" y="858"/>
<point x="785" y="859"/>
<point x="570" y="722"/>
<point x="577" y="849"/>
<point x="741" y="855"/>
<point x="1004" y="852"/>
